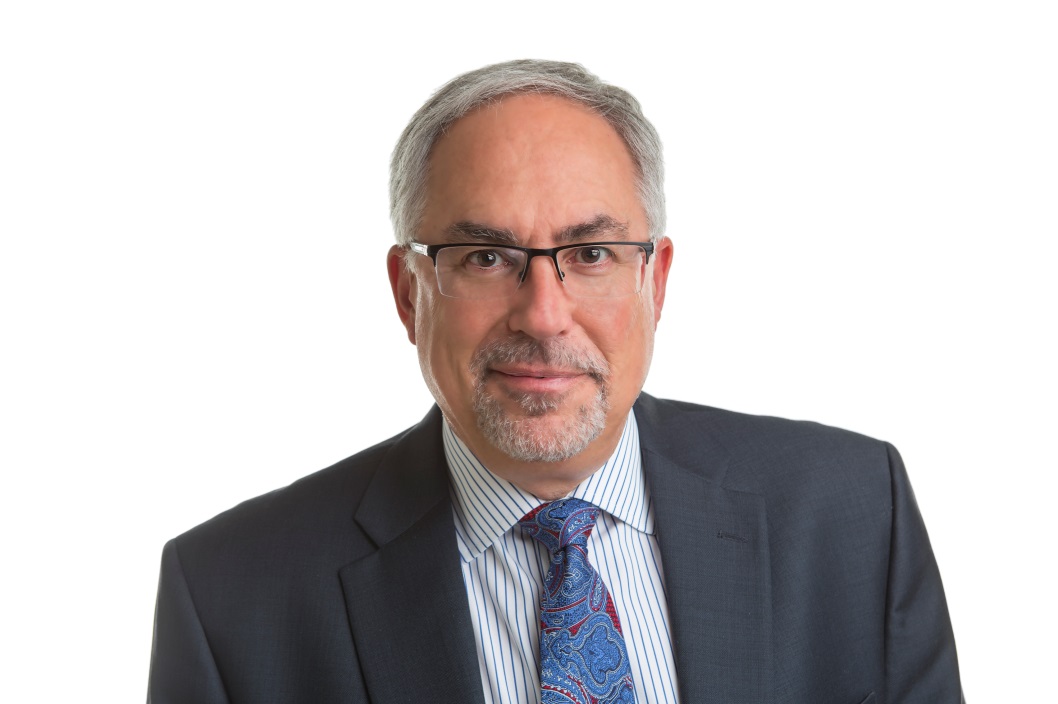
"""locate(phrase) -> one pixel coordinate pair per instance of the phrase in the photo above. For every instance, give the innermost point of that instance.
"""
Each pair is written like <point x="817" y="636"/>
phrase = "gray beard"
<point x="532" y="438"/>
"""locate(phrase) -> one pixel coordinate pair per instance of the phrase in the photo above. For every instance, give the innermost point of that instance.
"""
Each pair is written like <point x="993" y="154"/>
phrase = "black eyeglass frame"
<point x="431" y="251"/>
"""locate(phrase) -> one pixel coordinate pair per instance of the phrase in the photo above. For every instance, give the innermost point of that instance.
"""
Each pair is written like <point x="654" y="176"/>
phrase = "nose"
<point x="540" y="307"/>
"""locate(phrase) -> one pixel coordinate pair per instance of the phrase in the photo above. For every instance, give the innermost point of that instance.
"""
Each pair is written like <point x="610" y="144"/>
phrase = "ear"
<point x="662" y="262"/>
<point x="403" y="282"/>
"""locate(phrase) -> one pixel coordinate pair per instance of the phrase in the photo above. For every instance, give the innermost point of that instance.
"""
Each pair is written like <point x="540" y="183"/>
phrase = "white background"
<point x="195" y="308"/>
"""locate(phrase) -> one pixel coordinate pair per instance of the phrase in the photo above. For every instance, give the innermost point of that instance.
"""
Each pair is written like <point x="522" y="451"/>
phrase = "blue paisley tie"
<point x="583" y="659"/>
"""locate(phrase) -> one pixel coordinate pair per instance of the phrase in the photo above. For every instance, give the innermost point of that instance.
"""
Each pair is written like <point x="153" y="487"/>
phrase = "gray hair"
<point x="461" y="95"/>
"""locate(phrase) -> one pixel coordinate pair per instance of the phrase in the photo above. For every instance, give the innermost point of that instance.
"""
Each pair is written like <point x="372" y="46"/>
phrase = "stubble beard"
<point x="541" y="432"/>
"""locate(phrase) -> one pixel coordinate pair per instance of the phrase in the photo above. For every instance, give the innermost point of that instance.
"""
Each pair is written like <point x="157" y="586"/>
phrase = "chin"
<point x="537" y="429"/>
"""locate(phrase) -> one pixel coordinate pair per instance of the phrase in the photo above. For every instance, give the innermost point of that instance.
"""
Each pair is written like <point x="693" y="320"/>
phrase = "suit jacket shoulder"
<point x="804" y="535"/>
<point x="315" y="513"/>
<point x="754" y="453"/>
<point x="280" y="598"/>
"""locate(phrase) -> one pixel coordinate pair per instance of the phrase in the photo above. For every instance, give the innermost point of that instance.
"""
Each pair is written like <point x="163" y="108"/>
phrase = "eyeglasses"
<point x="591" y="270"/>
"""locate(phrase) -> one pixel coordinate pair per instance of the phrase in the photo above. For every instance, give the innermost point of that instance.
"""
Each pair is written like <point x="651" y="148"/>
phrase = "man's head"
<point x="535" y="373"/>
<point x="464" y="94"/>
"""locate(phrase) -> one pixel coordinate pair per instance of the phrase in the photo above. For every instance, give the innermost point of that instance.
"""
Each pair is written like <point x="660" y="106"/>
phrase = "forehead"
<point x="531" y="164"/>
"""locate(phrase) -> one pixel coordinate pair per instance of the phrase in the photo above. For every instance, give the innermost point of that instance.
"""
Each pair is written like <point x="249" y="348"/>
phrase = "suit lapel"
<point x="407" y="603"/>
<point x="714" y="551"/>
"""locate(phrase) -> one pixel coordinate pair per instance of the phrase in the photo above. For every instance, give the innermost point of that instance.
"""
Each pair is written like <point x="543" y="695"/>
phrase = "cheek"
<point x="449" y="334"/>
<point x="621" y="331"/>
<point x="435" y="345"/>
<point x="625" y="336"/>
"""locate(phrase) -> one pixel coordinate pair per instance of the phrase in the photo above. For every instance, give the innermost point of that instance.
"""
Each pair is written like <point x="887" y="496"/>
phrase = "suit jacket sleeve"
<point x="182" y="665"/>
<point x="921" y="663"/>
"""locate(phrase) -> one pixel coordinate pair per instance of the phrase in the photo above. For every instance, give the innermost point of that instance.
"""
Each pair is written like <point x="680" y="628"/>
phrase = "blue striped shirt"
<point x="503" y="570"/>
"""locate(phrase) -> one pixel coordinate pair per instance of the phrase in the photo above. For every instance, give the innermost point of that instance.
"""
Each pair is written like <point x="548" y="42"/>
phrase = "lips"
<point x="535" y="380"/>
<point x="537" y="372"/>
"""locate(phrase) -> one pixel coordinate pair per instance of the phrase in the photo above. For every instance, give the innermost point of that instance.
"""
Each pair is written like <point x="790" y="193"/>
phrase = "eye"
<point x="592" y="255"/>
<point x="485" y="258"/>
<point x="477" y="261"/>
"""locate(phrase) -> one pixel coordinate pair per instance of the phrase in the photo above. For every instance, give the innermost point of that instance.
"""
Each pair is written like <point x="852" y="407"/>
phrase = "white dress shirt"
<point x="503" y="570"/>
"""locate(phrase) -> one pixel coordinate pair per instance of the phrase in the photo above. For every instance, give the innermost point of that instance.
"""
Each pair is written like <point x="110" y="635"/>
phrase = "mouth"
<point x="520" y="379"/>
<point x="537" y="372"/>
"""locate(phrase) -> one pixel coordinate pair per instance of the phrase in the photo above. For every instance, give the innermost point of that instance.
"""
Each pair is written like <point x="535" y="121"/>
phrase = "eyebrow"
<point x="464" y="230"/>
<point x="599" y="227"/>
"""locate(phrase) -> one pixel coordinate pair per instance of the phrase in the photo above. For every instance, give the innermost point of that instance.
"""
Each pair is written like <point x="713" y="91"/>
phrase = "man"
<point x="547" y="532"/>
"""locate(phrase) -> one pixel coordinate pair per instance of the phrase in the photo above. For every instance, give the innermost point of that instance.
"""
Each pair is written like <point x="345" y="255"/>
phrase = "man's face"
<point x="538" y="376"/>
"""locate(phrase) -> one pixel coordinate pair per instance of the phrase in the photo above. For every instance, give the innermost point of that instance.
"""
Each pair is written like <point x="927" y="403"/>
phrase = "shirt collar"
<point x="487" y="506"/>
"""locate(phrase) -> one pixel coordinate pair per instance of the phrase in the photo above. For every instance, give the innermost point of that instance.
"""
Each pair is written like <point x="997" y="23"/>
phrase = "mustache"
<point x="551" y="353"/>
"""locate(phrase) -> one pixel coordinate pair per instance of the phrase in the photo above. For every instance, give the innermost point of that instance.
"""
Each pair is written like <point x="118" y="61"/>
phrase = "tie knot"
<point x="561" y="523"/>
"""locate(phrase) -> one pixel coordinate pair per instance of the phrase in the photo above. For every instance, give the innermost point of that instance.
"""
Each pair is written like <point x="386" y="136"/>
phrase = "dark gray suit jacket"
<point x="796" y="564"/>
